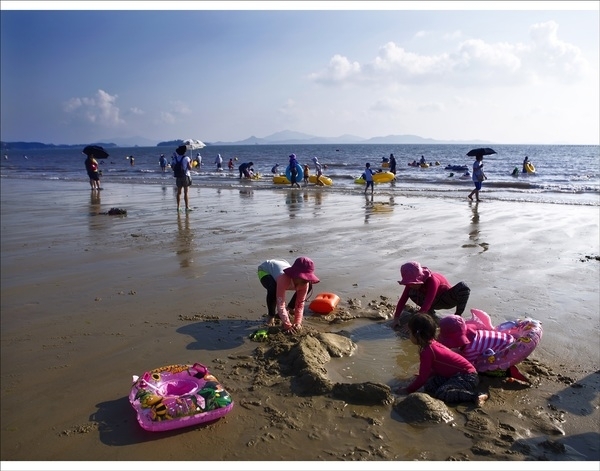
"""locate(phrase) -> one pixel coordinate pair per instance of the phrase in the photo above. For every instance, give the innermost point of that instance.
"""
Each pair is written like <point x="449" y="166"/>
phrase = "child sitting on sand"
<point x="445" y="374"/>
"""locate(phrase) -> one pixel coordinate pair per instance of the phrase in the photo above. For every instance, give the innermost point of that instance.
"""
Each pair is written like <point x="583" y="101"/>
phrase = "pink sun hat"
<point x="303" y="268"/>
<point x="453" y="331"/>
<point x="413" y="274"/>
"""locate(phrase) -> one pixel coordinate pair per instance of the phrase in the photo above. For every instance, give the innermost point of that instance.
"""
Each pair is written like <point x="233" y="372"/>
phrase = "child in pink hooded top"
<point x="430" y="291"/>
<point x="445" y="374"/>
<point x="475" y="344"/>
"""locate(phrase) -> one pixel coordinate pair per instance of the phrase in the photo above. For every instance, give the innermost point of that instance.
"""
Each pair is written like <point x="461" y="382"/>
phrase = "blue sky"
<point x="501" y="75"/>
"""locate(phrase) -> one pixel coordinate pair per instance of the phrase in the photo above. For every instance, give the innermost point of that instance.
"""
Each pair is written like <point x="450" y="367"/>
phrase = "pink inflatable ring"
<point x="526" y="333"/>
<point x="178" y="396"/>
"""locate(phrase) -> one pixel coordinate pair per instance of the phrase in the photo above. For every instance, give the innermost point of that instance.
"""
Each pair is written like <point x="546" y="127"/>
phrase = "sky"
<point x="226" y="71"/>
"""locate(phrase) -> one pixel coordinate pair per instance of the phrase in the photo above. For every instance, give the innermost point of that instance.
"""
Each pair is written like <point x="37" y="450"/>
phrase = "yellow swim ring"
<point x="325" y="180"/>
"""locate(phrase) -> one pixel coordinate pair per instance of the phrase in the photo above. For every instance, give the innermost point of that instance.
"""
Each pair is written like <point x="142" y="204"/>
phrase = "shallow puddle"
<point x="382" y="356"/>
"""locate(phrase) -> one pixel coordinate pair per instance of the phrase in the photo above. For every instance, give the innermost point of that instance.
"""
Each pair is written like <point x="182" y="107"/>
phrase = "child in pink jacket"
<point x="277" y="277"/>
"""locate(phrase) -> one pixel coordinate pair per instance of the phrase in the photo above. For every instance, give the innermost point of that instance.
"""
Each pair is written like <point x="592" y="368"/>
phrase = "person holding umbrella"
<point x="478" y="177"/>
<point x="91" y="164"/>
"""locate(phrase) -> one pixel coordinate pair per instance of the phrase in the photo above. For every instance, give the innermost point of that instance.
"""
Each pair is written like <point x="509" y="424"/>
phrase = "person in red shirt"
<point x="445" y="374"/>
<point x="429" y="291"/>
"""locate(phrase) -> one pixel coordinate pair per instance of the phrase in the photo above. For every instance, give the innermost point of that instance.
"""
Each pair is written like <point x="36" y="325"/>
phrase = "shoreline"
<point x="90" y="299"/>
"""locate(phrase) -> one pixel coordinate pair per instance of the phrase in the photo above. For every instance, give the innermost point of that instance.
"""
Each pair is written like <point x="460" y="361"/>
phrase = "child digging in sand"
<point x="277" y="277"/>
<point x="445" y="374"/>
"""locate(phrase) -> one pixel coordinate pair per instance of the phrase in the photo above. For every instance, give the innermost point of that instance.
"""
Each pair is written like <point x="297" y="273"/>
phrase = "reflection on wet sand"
<point x="184" y="241"/>
<point x="293" y="202"/>
<point x="377" y="207"/>
<point x="95" y="221"/>
<point x="475" y="231"/>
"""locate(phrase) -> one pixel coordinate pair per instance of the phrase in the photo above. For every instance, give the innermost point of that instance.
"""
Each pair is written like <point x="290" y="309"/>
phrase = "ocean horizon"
<point x="564" y="174"/>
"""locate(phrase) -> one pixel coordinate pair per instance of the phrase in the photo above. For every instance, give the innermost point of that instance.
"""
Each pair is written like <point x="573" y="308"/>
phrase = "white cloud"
<point x="389" y="104"/>
<point x="432" y="107"/>
<point x="177" y="110"/>
<point x="340" y="69"/>
<point x="454" y="35"/>
<point x="288" y="108"/>
<point x="166" y="117"/>
<point x="100" y="109"/>
<point x="474" y="62"/>
<point x="552" y="57"/>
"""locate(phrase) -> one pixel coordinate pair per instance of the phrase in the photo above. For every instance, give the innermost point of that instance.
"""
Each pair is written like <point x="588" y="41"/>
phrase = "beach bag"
<point x="178" y="171"/>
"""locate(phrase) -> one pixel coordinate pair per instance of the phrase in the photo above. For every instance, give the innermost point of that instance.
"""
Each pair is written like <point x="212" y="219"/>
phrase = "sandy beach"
<point x="89" y="299"/>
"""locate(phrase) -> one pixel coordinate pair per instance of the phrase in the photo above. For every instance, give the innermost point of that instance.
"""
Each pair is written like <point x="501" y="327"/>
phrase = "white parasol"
<point x="193" y="144"/>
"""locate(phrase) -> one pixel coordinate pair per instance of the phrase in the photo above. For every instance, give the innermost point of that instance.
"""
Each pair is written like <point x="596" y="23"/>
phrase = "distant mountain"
<point x="293" y="137"/>
<point x="279" y="138"/>
<point x="298" y="138"/>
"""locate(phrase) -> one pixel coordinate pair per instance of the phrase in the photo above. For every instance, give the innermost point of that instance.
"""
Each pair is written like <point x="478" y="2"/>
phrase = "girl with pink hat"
<point x="429" y="291"/>
<point x="277" y="277"/>
<point x="492" y="350"/>
<point x="443" y="374"/>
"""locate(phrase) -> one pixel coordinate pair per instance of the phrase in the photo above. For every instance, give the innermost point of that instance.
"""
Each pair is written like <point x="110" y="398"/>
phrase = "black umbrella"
<point x="97" y="151"/>
<point x="481" y="151"/>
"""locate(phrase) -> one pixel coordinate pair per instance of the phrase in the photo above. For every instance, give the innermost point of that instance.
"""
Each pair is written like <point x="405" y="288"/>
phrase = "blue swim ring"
<point x="288" y="173"/>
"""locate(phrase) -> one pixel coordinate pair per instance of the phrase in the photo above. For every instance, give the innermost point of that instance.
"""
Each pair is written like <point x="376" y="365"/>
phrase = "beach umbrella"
<point x="97" y="151"/>
<point x="193" y="144"/>
<point x="481" y="151"/>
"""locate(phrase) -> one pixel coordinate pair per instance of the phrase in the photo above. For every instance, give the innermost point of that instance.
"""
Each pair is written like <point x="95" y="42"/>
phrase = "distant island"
<point x="298" y="138"/>
<point x="278" y="138"/>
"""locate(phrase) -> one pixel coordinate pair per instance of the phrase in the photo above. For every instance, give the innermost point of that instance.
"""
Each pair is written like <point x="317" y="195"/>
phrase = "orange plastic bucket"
<point x="324" y="303"/>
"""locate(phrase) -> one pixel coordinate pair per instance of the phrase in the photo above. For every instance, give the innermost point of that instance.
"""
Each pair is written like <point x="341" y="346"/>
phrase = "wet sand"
<point x="88" y="300"/>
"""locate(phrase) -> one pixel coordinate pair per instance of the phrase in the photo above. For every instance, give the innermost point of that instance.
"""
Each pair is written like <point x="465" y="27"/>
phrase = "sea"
<point x="564" y="174"/>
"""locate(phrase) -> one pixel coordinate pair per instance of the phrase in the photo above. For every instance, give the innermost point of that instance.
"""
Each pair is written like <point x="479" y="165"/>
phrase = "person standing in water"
<point x="393" y="164"/>
<point x="294" y="171"/>
<point x="91" y="166"/>
<point x="318" y="170"/>
<point x="162" y="161"/>
<point x="368" y="173"/>
<point x="183" y="178"/>
<point x="219" y="162"/>
<point x="478" y="177"/>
